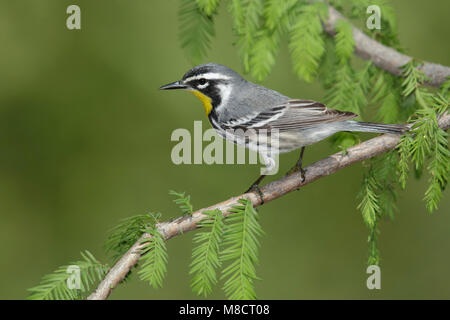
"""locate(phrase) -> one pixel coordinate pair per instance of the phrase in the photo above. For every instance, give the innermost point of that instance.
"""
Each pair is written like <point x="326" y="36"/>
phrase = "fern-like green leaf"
<point x="340" y="95"/>
<point x="413" y="78"/>
<point x="279" y="12"/>
<point x="374" y="253"/>
<point x="370" y="210"/>
<point x="183" y="201"/>
<point x="369" y="206"/>
<point x="242" y="244"/>
<point x="55" y="286"/>
<point x="389" y="110"/>
<point x="205" y="255"/>
<point x="153" y="260"/>
<point x="124" y="235"/>
<point x="306" y="42"/>
<point x="404" y="148"/>
<point x="196" y="30"/>
<point x="246" y="23"/>
<point x="208" y="6"/>
<point x="344" y="40"/>
<point x="263" y="52"/>
<point x="439" y="168"/>
<point x="385" y="167"/>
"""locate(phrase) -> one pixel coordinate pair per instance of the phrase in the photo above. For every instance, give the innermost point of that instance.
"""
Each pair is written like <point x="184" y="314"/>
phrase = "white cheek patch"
<point x="225" y="91"/>
<point x="203" y="86"/>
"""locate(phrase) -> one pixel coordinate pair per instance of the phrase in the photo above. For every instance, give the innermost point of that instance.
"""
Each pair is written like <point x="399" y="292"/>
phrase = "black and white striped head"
<point x="212" y="83"/>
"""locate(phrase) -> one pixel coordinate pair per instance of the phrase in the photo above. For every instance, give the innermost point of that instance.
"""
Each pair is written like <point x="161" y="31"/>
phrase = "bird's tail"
<point x="376" y="127"/>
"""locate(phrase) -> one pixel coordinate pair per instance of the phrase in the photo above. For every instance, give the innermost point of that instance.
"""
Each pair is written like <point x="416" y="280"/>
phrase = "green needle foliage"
<point x="124" y="235"/>
<point x="55" y="286"/>
<point x="246" y="23"/>
<point x="183" y="202"/>
<point x="306" y="44"/>
<point x="370" y="210"/>
<point x="385" y="168"/>
<point x="205" y="255"/>
<point x="153" y="261"/>
<point x="344" y="41"/>
<point x="242" y="244"/>
<point x="427" y="139"/>
<point x="196" y="27"/>
<point x="209" y="7"/>
<point x="369" y="206"/>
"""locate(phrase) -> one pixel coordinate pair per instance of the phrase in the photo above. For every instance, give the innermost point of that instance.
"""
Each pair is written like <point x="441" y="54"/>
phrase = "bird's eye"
<point x="202" y="81"/>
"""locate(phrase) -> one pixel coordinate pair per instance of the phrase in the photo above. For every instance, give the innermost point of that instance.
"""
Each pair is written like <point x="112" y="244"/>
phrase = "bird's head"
<point x="212" y="83"/>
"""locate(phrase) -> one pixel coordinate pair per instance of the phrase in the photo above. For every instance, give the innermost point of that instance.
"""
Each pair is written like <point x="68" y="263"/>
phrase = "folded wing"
<point x="291" y="115"/>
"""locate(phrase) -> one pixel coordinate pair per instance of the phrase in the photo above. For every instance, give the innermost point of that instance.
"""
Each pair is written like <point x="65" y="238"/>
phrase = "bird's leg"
<point x="298" y="166"/>
<point x="255" y="187"/>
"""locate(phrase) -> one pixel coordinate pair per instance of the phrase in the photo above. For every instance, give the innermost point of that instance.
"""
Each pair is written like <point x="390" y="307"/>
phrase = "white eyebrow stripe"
<point x="208" y="76"/>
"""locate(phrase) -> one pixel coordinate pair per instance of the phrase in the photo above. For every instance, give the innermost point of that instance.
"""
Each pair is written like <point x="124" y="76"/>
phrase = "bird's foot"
<point x="298" y="169"/>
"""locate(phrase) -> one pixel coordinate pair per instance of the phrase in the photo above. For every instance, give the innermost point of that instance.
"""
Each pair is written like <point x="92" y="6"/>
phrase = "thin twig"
<point x="385" y="57"/>
<point x="271" y="191"/>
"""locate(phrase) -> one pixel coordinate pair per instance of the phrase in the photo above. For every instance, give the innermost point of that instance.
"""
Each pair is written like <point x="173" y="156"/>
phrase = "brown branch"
<point x="385" y="57"/>
<point x="271" y="191"/>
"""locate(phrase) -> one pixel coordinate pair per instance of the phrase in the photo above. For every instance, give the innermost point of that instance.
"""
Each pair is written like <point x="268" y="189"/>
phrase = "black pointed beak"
<point x="173" y="85"/>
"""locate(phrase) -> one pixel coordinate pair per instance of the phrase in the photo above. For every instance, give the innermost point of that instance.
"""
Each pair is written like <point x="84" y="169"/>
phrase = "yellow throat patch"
<point x="205" y="100"/>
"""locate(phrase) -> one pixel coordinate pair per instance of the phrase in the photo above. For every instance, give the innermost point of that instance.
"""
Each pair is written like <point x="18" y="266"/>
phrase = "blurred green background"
<point x="85" y="141"/>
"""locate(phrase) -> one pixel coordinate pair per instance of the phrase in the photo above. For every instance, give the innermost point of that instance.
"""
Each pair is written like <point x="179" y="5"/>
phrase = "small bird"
<point x="232" y="103"/>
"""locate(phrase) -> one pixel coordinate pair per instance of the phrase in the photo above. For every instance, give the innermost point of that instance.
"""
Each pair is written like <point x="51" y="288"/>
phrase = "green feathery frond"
<point x="209" y="7"/>
<point x="183" y="201"/>
<point x="196" y="30"/>
<point x="381" y="86"/>
<point x="439" y="168"/>
<point x="124" y="235"/>
<point x="428" y="139"/>
<point x="370" y="210"/>
<point x="339" y="95"/>
<point x="205" y="255"/>
<point x="413" y="78"/>
<point x="348" y="91"/>
<point x="306" y="42"/>
<point x="246" y="23"/>
<point x="263" y="53"/>
<point x="153" y="260"/>
<point x="374" y="253"/>
<point x="389" y="110"/>
<point x="385" y="90"/>
<point x="404" y="151"/>
<point x="345" y="43"/>
<point x="81" y="275"/>
<point x="424" y="129"/>
<point x="279" y="16"/>
<point x="242" y="245"/>
<point x="279" y="12"/>
<point x="361" y="87"/>
<point x="385" y="167"/>
<point x="328" y="64"/>
<point x="369" y="206"/>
